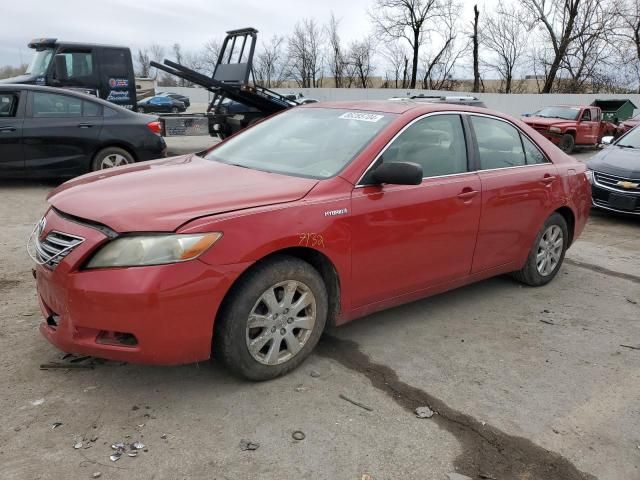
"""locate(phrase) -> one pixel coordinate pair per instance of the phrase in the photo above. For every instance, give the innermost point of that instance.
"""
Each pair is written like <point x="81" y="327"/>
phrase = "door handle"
<point x="7" y="129"/>
<point x="467" y="194"/>
<point x="548" y="179"/>
<point x="85" y="125"/>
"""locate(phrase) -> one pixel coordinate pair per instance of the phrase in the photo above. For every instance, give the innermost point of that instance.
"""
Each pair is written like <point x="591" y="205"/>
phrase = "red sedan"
<point x="314" y="217"/>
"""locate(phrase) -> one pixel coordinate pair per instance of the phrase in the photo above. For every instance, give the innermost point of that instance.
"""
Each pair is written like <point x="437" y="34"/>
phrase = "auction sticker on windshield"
<point x="364" y="117"/>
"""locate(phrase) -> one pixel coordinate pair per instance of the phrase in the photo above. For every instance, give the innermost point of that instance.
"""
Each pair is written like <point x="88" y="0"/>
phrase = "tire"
<point x="111" y="157"/>
<point x="175" y="110"/>
<point x="233" y="337"/>
<point x="531" y="274"/>
<point x="567" y="143"/>
<point x="140" y="110"/>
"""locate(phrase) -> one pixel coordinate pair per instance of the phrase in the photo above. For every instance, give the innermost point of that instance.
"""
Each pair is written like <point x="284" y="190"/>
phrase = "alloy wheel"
<point x="281" y="322"/>
<point x="113" y="160"/>
<point x="549" y="250"/>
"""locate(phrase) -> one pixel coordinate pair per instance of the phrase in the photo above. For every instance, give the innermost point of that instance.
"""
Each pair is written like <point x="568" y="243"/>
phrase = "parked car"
<point x="176" y="96"/>
<point x="47" y="131"/>
<point x="314" y="217"/>
<point x="570" y="126"/>
<point x="615" y="175"/>
<point x="160" y="104"/>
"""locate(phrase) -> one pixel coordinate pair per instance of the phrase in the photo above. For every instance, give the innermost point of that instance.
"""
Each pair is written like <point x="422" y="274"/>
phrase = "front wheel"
<point x="547" y="254"/>
<point x="567" y="143"/>
<point x="140" y="109"/>
<point x="175" y="110"/>
<point x="273" y="319"/>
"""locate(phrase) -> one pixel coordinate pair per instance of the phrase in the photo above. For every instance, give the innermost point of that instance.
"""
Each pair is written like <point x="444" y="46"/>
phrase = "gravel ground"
<point x="526" y="384"/>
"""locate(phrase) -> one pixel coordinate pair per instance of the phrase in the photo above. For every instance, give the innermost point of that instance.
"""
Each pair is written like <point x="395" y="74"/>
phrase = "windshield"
<point x="40" y="62"/>
<point x="305" y="142"/>
<point x="630" y="140"/>
<point x="566" y="113"/>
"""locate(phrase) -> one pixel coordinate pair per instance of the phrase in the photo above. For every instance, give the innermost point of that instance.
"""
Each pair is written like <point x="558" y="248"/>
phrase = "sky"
<point x="138" y="23"/>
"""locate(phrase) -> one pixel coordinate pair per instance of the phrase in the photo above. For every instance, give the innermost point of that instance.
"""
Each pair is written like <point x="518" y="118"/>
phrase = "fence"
<point x="512" y="104"/>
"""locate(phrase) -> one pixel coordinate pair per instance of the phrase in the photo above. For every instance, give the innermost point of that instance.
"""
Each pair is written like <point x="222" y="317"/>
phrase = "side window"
<point x="499" y="143"/>
<point x="586" y="115"/>
<point x="595" y="115"/>
<point x="8" y="105"/>
<point x="79" y="64"/>
<point x="533" y="153"/>
<point x="115" y="62"/>
<point x="91" y="109"/>
<point x="49" y="105"/>
<point x="436" y="143"/>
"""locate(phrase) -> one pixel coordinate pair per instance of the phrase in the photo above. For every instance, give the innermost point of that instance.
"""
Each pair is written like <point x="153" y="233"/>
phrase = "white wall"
<point x="514" y="104"/>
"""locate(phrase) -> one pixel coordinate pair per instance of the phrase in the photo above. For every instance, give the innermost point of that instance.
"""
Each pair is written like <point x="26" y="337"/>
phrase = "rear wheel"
<point x="567" y="143"/>
<point x="547" y="254"/>
<point x="273" y="319"/>
<point x="140" y="109"/>
<point x="111" y="157"/>
<point x="175" y="110"/>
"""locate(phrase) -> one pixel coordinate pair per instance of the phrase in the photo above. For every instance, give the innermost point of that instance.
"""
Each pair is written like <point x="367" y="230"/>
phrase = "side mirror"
<point x="398" y="173"/>
<point x="608" y="140"/>
<point x="60" y="71"/>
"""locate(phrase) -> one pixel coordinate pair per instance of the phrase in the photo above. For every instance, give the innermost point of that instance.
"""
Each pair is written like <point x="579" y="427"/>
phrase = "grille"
<point x="611" y="182"/>
<point x="50" y="251"/>
<point x="601" y="198"/>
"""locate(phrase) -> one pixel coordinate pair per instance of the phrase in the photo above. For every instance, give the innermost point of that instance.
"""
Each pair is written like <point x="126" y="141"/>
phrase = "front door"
<point x="407" y="238"/>
<point x="11" y="119"/>
<point x="519" y="188"/>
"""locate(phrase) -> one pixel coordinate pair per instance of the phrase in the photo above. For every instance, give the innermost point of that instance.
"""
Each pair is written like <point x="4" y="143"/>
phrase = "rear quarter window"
<point x="8" y="104"/>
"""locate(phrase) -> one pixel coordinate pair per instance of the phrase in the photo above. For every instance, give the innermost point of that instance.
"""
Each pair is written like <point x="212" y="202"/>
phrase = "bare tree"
<point x="143" y="61"/>
<point x="628" y="13"/>
<point x="398" y="61"/>
<point x="210" y="55"/>
<point x="503" y="36"/>
<point x="269" y="64"/>
<point x="156" y="53"/>
<point x="409" y="20"/>
<point x="476" y="44"/>
<point x="304" y="51"/>
<point x="360" y="59"/>
<point x="564" y="22"/>
<point x="336" y="53"/>
<point x="440" y="60"/>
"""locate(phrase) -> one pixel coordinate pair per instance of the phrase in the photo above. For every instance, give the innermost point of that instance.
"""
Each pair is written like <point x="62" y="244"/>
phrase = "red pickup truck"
<point x="570" y="126"/>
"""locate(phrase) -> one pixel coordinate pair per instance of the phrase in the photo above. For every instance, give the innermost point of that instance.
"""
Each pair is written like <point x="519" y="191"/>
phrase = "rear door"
<point x="519" y="188"/>
<point x="12" y="105"/>
<point x="60" y="133"/>
<point x="407" y="238"/>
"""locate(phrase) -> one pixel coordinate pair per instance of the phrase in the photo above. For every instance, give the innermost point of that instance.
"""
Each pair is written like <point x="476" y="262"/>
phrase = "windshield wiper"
<point x="623" y="145"/>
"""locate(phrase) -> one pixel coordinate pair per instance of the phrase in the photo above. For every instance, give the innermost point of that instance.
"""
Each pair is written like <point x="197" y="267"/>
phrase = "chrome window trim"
<point x="454" y="112"/>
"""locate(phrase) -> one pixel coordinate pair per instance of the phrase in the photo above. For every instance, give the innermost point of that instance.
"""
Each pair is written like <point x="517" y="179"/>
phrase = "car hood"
<point x="546" y="122"/>
<point x="163" y="194"/>
<point x="621" y="162"/>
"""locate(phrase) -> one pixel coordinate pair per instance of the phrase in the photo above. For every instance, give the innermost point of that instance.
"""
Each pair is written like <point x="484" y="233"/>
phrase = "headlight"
<point x="141" y="250"/>
<point x="555" y="129"/>
<point x="589" y="175"/>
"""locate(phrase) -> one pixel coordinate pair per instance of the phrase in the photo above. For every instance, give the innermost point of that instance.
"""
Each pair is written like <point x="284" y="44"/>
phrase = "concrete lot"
<point x="528" y="383"/>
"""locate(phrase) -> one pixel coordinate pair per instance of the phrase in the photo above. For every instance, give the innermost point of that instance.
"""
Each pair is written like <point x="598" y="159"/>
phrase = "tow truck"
<point x="232" y="79"/>
<point x="105" y="71"/>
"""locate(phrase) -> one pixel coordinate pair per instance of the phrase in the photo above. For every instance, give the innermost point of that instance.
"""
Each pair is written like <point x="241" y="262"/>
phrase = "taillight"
<point x="155" y="127"/>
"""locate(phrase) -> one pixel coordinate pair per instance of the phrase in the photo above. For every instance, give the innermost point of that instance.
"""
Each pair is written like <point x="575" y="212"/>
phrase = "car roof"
<point x="74" y="93"/>
<point x="399" y="107"/>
